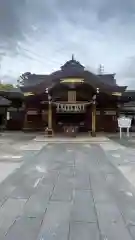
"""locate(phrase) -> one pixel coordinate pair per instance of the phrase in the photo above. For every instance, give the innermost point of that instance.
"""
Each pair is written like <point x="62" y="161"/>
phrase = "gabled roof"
<point x="73" y="65"/>
<point x="98" y="82"/>
<point x="4" y="102"/>
<point x="129" y="93"/>
<point x="34" y="79"/>
<point x="39" y="87"/>
<point x="12" y="93"/>
<point x="108" y="79"/>
<point x="72" y="69"/>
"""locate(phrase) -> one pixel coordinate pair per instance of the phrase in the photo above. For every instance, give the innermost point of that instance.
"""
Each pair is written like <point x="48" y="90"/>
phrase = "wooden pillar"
<point x="102" y="120"/>
<point x="25" y="123"/>
<point x="6" y="118"/>
<point x="118" y="109"/>
<point x="50" y="116"/>
<point x="93" y="120"/>
<point x="49" y="130"/>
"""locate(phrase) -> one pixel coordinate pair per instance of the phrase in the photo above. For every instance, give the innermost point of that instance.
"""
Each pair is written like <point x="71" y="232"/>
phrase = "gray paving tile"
<point x="72" y="201"/>
<point x="128" y="211"/>
<point x="63" y="189"/>
<point x="106" y="168"/>
<point x="66" y="180"/>
<point x="31" y="177"/>
<point x="22" y="192"/>
<point x="54" y="166"/>
<point x="50" y="177"/>
<point x="115" y="231"/>
<point x="81" y="180"/>
<point x="24" y="228"/>
<point x="26" y="185"/>
<point x="100" y="190"/>
<point x="111" y="223"/>
<point x="15" y="178"/>
<point x="83" y="207"/>
<point x="9" y="212"/>
<point x="85" y="231"/>
<point x="67" y="171"/>
<point x="37" y="203"/>
<point x="81" y="164"/>
<point x="2" y="236"/>
<point x="62" y="192"/>
<point x="103" y="165"/>
<point x="56" y="222"/>
<point x="132" y="231"/>
<point x="123" y="193"/>
<point x="5" y="191"/>
<point x="109" y="211"/>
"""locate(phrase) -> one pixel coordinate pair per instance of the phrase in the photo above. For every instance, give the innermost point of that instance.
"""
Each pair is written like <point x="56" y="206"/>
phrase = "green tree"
<point x="6" y="86"/>
<point x="23" y="79"/>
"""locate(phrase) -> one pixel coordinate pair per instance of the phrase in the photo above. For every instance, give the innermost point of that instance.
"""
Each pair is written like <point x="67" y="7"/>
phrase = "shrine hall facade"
<point x="71" y="96"/>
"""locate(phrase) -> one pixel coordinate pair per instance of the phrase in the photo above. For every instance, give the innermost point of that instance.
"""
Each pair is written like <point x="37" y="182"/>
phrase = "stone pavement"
<point x="69" y="191"/>
<point x="125" y="141"/>
<point x="15" y="148"/>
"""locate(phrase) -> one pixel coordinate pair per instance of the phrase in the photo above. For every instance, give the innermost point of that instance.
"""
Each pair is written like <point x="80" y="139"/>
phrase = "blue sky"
<point x="40" y="35"/>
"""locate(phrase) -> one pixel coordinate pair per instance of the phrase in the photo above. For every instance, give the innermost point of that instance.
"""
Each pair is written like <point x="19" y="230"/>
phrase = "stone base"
<point x="48" y="132"/>
<point x="93" y="134"/>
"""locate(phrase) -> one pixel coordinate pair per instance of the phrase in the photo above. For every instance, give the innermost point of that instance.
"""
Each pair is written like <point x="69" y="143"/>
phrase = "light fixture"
<point x="97" y="90"/>
<point x="46" y="90"/>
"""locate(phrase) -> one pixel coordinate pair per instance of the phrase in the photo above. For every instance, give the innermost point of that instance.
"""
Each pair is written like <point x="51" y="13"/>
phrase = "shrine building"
<point x="71" y="96"/>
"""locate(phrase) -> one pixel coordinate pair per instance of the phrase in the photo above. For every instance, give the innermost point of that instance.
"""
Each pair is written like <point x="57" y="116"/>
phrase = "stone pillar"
<point x="93" y="133"/>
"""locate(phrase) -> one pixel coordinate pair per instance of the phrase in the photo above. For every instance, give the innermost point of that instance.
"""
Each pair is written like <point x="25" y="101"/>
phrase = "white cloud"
<point x="48" y="32"/>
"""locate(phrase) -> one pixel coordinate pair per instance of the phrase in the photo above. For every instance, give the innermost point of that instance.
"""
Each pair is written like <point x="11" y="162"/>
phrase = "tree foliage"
<point x="23" y="78"/>
<point x="6" y="86"/>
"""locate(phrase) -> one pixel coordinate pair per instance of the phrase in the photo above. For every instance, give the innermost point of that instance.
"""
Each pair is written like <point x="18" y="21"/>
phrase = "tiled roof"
<point x="4" y="101"/>
<point x="73" y="69"/>
<point x="12" y="93"/>
<point x="108" y="79"/>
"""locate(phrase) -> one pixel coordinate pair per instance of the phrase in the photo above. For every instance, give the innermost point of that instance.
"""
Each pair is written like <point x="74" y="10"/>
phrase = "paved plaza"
<point x="66" y="189"/>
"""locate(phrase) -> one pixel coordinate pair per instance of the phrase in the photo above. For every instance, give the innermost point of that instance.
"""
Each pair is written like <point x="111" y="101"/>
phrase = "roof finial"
<point x="73" y="57"/>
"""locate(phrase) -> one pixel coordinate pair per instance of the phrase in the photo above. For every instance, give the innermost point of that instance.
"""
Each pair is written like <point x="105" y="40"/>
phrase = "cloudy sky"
<point x="40" y="35"/>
